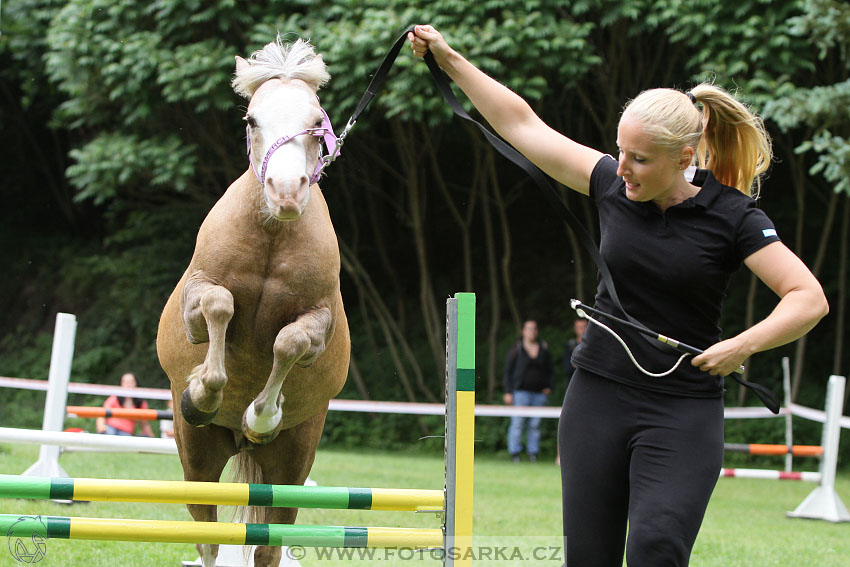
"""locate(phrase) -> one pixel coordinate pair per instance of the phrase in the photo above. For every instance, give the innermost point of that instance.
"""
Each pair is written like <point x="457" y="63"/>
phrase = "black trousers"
<point x="637" y="458"/>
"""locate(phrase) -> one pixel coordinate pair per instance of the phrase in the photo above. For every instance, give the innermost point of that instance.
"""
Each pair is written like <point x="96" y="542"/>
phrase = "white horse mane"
<point x="280" y="60"/>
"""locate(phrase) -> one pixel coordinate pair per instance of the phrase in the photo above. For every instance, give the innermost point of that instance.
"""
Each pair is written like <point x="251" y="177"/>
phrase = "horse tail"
<point x="244" y="469"/>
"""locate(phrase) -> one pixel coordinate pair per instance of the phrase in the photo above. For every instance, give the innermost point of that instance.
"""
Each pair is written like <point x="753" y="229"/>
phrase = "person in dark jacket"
<point x="528" y="379"/>
<point x="579" y="326"/>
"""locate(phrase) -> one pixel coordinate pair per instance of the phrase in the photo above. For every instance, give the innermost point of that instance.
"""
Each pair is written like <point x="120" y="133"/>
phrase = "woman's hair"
<point x="727" y="137"/>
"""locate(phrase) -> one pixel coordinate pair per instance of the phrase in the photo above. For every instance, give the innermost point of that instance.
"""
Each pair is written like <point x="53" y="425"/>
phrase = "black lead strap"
<point x="379" y="78"/>
<point x="551" y="195"/>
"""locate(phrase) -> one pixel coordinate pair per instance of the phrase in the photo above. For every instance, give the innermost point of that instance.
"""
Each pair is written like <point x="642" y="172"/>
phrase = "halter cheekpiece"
<point x="325" y="131"/>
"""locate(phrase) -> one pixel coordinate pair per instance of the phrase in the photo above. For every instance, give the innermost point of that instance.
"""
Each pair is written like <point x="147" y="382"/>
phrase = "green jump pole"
<point x="219" y="493"/>
<point x="159" y="531"/>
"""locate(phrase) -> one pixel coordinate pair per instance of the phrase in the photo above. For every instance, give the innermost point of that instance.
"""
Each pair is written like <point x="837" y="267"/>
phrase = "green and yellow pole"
<point x="460" y="428"/>
<point x="219" y="493"/>
<point x="160" y="531"/>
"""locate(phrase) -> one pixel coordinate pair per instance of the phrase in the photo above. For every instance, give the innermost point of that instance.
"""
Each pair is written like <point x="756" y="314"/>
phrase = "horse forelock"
<point x="281" y="60"/>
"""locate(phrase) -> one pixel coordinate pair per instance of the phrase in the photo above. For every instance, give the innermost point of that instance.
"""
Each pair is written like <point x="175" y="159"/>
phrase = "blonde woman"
<point x="643" y="448"/>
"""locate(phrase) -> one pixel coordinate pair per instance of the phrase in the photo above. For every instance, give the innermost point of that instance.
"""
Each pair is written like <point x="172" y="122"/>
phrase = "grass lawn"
<point x="517" y="511"/>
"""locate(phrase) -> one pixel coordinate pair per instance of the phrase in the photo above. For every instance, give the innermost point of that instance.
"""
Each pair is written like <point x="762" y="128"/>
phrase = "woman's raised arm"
<point x="560" y="157"/>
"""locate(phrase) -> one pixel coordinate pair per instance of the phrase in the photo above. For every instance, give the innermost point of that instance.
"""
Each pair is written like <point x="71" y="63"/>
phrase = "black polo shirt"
<point x="671" y="271"/>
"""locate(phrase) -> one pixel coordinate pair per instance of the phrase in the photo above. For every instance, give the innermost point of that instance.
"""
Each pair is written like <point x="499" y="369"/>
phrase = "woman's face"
<point x="647" y="168"/>
<point x="529" y="331"/>
<point x="128" y="381"/>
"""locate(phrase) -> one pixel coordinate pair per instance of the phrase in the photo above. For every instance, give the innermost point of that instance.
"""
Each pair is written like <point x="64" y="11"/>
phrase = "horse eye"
<point x="318" y="124"/>
<point x="250" y="120"/>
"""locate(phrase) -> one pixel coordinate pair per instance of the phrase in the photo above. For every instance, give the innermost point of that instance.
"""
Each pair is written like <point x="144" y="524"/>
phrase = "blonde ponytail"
<point x="735" y="145"/>
<point x="727" y="137"/>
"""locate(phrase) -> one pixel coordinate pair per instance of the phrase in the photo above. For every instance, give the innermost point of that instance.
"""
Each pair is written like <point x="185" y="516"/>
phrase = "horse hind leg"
<point x="286" y="461"/>
<point x="301" y="342"/>
<point x="203" y="454"/>
<point x="207" y="311"/>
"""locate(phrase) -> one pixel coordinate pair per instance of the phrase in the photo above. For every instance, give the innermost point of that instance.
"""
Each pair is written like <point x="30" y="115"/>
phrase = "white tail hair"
<point x="280" y="60"/>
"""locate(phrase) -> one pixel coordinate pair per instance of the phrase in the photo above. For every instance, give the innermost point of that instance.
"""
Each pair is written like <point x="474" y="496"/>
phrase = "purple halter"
<point x="325" y="131"/>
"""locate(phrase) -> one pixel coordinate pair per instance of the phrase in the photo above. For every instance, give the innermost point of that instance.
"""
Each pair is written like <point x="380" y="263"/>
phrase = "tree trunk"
<point x="389" y="326"/>
<point x="417" y="207"/>
<point x="463" y="220"/>
<point x="800" y="352"/>
<point x="417" y="201"/>
<point x="506" y="240"/>
<point x="494" y="299"/>
<point x="357" y="378"/>
<point x="839" y="309"/>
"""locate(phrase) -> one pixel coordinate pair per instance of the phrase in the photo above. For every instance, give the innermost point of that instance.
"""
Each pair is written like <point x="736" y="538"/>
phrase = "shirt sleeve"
<point x="510" y="361"/>
<point x="603" y="177"/>
<point x="754" y="232"/>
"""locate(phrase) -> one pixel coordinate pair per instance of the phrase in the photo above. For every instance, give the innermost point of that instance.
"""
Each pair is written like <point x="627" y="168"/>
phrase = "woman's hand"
<point x="721" y="359"/>
<point x="426" y="38"/>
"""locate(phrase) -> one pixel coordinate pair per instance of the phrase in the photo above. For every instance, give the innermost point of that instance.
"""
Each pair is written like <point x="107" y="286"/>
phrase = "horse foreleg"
<point x="207" y="310"/>
<point x="301" y="342"/>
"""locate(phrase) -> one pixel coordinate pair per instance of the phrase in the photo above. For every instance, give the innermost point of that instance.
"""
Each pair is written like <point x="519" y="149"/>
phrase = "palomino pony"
<point x="254" y="337"/>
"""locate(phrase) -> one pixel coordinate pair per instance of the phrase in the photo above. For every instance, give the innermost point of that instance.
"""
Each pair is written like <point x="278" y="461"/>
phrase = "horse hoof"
<point x="258" y="438"/>
<point x="191" y="414"/>
<point x="251" y="422"/>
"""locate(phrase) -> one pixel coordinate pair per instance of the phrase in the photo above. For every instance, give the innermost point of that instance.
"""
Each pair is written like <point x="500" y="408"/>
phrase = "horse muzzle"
<point x="287" y="202"/>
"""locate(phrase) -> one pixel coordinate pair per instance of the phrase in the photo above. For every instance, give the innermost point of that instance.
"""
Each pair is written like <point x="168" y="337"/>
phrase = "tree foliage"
<point x="123" y="130"/>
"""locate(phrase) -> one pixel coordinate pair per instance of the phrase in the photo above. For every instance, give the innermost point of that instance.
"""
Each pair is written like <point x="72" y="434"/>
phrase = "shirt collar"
<point x="710" y="187"/>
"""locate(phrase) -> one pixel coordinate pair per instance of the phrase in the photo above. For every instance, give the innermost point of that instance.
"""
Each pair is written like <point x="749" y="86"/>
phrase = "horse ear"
<point x="324" y="77"/>
<point x="241" y="65"/>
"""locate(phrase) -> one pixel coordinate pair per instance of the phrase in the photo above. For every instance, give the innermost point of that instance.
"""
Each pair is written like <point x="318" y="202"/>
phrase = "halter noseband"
<point x="325" y="131"/>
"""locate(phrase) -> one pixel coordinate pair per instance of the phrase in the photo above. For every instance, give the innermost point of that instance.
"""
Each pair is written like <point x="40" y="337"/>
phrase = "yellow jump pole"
<point x="161" y="531"/>
<point x="219" y="493"/>
<point x="460" y="428"/>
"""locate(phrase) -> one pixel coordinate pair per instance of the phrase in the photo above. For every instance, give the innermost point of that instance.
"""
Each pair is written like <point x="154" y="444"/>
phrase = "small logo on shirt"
<point x="769" y="232"/>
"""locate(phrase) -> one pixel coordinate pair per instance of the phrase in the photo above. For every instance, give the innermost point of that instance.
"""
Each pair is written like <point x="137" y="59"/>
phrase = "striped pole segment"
<point x="220" y="493"/>
<point x="766" y="449"/>
<point x="771" y="475"/>
<point x="124" y="413"/>
<point x="159" y="531"/>
<point x="460" y="428"/>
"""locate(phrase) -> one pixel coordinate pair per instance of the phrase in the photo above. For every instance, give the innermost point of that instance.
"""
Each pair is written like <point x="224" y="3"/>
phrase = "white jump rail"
<point x="408" y="408"/>
<point x="116" y="443"/>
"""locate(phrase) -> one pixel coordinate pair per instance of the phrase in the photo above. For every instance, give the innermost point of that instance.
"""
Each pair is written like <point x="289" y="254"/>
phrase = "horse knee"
<point x="304" y="341"/>
<point x="204" y="306"/>
<point x="291" y="344"/>
<point x="217" y="305"/>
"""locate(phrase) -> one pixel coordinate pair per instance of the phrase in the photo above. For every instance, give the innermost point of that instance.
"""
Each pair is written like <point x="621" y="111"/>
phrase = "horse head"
<point x="285" y="123"/>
